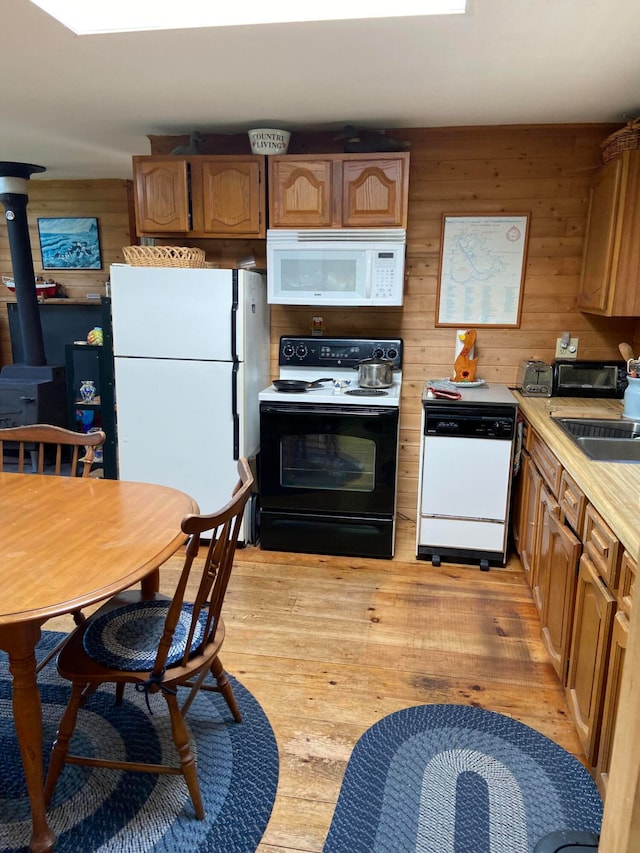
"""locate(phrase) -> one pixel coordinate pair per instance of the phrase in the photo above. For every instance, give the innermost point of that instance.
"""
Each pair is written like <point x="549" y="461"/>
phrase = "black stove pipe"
<point x="13" y="195"/>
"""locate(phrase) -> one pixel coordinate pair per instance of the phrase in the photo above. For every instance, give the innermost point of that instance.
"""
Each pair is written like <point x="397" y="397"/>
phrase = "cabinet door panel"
<point x="227" y="198"/>
<point x="589" y="655"/>
<point x="372" y="193"/>
<point x="520" y="491"/>
<point x="612" y="696"/>
<point x="529" y="527"/>
<point x="548" y="507"/>
<point x="611" y="258"/>
<point x="561" y="550"/>
<point x="300" y="193"/>
<point x="600" y="237"/>
<point x="161" y="195"/>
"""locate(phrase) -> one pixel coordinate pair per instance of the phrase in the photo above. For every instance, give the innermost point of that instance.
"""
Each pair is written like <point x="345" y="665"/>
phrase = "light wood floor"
<point x="330" y="645"/>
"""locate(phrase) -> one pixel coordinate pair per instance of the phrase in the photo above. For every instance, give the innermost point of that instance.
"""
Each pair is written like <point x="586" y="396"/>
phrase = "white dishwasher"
<point x="466" y="465"/>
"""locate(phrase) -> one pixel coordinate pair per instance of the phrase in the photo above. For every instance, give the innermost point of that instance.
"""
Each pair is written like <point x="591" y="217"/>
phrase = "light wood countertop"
<point x="612" y="487"/>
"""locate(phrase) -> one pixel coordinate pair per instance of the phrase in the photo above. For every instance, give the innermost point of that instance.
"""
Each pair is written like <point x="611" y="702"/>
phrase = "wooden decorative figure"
<point x="465" y="367"/>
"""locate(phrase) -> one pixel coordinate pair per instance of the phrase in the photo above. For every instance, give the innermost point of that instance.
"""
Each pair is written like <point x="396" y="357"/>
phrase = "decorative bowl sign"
<point x="267" y="140"/>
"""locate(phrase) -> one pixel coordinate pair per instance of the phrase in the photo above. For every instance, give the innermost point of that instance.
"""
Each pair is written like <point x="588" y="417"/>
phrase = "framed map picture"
<point x="482" y="263"/>
<point x="70" y="243"/>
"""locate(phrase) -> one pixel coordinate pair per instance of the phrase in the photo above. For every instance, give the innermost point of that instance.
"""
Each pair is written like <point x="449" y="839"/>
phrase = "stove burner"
<point x="367" y="392"/>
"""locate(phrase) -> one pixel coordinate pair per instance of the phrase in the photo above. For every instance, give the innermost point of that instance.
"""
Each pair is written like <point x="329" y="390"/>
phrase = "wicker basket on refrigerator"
<point x="163" y="256"/>
<point x="626" y="139"/>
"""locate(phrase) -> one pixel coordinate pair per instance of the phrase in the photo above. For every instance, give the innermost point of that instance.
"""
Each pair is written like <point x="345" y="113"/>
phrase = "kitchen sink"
<point x="604" y="440"/>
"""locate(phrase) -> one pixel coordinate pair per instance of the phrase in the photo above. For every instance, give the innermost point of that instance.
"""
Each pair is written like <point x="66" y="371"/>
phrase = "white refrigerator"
<point x="191" y="354"/>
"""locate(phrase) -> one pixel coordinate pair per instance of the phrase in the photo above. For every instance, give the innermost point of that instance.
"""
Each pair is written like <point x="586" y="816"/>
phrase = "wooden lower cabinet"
<point x="602" y="546"/>
<point x="526" y="538"/>
<point x="547" y="508"/>
<point x="617" y="655"/>
<point x="576" y="567"/>
<point x="555" y="588"/>
<point x="619" y="639"/>
<point x="573" y="502"/>
<point x="592" y="624"/>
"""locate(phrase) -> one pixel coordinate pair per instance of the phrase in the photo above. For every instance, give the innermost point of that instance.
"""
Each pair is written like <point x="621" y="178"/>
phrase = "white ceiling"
<point x="81" y="106"/>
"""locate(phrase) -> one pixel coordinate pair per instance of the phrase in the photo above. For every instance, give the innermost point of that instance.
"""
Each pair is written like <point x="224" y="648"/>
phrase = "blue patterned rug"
<point x="454" y="779"/>
<point x="110" y="810"/>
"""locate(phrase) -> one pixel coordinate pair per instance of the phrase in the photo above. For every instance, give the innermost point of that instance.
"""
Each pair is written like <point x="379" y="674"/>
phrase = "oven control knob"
<point x="288" y="350"/>
<point x="301" y="351"/>
<point x="378" y="352"/>
<point x="392" y="353"/>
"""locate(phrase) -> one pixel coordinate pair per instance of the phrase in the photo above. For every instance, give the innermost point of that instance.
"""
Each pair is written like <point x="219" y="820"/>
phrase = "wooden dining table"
<point x="67" y="543"/>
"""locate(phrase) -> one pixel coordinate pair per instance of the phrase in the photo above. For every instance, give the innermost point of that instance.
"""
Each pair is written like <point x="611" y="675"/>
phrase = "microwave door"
<point x="331" y="276"/>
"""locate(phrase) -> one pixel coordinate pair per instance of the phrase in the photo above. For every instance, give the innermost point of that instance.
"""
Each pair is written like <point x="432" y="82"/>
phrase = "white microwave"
<point x="335" y="266"/>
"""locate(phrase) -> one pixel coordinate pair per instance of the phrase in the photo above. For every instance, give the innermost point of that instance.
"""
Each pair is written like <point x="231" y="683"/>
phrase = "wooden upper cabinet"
<point x="338" y="191"/>
<point x="161" y="194"/>
<point x="228" y="196"/>
<point x="300" y="192"/>
<point x="200" y="196"/>
<point x="374" y="191"/>
<point x="611" y="259"/>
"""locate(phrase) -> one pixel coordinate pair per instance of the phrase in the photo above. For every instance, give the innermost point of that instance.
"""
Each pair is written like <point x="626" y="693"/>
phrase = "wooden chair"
<point x="30" y="449"/>
<point x="163" y="659"/>
<point x="34" y="442"/>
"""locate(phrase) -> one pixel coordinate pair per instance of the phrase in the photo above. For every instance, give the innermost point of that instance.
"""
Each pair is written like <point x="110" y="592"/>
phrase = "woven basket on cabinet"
<point x="163" y="256"/>
<point x="626" y="139"/>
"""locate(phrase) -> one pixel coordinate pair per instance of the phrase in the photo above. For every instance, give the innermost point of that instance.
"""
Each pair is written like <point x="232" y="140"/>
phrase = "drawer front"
<point x="602" y="546"/>
<point x="628" y="568"/>
<point x="572" y="502"/>
<point x="547" y="463"/>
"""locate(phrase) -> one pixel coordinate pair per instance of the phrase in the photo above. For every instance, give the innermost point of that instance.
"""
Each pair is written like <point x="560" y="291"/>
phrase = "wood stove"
<point x="33" y="391"/>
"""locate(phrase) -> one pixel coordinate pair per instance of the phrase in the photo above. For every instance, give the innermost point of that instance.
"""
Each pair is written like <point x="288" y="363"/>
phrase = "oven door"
<point x="339" y="460"/>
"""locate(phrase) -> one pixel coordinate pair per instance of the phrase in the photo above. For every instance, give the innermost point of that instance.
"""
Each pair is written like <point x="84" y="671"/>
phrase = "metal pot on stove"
<point x="375" y="373"/>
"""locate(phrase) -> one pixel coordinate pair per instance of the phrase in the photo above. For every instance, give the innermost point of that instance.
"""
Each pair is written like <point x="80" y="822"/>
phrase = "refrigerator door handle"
<point x="234" y="409"/>
<point x="234" y="316"/>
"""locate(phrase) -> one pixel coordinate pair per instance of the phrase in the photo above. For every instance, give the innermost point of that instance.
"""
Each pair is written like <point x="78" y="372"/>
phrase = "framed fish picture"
<point x="70" y="243"/>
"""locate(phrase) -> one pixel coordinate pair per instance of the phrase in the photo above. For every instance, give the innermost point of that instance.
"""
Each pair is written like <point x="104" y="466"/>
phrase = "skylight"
<point x="85" y="17"/>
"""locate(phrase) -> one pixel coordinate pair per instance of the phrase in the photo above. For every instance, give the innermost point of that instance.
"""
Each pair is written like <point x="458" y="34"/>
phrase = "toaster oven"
<point x="575" y="378"/>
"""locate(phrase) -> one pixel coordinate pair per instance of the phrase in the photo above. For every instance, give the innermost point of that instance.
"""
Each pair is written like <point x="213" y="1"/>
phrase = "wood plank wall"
<point x="543" y="169"/>
<point x="111" y="201"/>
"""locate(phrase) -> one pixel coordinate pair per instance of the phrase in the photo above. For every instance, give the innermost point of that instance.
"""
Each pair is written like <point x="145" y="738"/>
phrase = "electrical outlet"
<point x="568" y="352"/>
